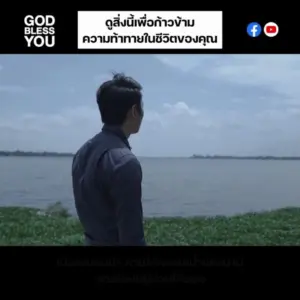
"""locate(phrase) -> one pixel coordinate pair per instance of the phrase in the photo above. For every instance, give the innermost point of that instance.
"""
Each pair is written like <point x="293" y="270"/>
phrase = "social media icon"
<point x="254" y="29"/>
<point x="271" y="29"/>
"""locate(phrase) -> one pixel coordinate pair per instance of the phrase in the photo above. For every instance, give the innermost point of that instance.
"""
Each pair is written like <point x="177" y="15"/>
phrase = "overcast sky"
<point x="204" y="104"/>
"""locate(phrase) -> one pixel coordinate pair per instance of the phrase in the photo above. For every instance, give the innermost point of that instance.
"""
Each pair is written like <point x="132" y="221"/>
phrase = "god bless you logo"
<point x="39" y="31"/>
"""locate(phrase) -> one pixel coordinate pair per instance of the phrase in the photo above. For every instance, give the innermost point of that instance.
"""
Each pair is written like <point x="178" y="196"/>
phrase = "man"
<point x="106" y="175"/>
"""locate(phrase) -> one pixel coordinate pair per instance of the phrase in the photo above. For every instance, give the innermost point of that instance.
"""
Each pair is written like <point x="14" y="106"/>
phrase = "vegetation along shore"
<point x="19" y="153"/>
<point x="54" y="226"/>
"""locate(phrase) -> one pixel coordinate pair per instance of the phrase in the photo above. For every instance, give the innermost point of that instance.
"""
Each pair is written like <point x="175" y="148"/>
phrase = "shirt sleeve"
<point x="126" y="192"/>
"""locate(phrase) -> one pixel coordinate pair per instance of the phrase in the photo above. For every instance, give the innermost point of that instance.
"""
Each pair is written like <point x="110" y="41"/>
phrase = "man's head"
<point x="120" y="103"/>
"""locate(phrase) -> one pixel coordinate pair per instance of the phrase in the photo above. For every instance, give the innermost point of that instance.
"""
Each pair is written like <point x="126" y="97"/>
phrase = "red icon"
<point x="271" y="29"/>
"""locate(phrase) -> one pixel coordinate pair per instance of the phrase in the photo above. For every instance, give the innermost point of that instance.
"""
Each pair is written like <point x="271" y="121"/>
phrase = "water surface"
<point x="171" y="186"/>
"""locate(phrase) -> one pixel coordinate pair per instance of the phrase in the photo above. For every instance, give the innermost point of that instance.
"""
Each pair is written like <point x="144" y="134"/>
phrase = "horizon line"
<point x="194" y="156"/>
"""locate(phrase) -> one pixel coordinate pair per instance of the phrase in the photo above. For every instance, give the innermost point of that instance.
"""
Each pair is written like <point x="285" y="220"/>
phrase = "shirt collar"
<point x="116" y="130"/>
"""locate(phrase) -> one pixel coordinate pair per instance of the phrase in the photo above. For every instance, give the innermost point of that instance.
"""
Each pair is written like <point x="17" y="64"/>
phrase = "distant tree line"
<point x="195" y="156"/>
<point x="262" y="157"/>
<point x="32" y="153"/>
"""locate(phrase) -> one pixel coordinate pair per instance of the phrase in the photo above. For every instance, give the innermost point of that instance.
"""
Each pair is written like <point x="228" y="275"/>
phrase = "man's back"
<point x="107" y="190"/>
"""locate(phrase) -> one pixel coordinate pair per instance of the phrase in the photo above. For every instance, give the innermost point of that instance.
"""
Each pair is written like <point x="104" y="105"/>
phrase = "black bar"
<point x="235" y="37"/>
<point x="76" y="267"/>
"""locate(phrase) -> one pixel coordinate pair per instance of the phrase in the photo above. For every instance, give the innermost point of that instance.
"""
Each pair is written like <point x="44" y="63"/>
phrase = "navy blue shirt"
<point x="107" y="179"/>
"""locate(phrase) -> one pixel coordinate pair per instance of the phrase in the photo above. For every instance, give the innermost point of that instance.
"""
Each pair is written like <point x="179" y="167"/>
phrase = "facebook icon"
<point x="254" y="29"/>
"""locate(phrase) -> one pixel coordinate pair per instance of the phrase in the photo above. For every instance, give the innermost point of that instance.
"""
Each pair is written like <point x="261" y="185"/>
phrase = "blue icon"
<point x="254" y="29"/>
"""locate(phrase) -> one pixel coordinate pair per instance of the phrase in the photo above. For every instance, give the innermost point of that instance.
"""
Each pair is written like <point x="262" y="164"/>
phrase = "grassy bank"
<point x="27" y="226"/>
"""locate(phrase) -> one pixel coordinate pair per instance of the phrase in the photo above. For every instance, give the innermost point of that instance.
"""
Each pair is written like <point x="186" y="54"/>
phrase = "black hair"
<point x="116" y="97"/>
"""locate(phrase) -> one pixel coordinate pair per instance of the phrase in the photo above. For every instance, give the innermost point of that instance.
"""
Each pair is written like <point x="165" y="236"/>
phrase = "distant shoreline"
<point x="19" y="153"/>
<point x="267" y="157"/>
<point x="35" y="154"/>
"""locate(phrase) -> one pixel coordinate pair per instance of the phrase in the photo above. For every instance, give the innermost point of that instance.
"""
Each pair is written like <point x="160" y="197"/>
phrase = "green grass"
<point x="28" y="226"/>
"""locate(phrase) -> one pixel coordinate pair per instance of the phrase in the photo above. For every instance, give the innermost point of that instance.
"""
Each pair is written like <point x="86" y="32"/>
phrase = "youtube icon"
<point x="271" y="29"/>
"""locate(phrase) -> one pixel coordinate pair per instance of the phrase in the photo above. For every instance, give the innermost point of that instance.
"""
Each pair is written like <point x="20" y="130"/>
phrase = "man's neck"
<point x="125" y="131"/>
<point x="121" y="129"/>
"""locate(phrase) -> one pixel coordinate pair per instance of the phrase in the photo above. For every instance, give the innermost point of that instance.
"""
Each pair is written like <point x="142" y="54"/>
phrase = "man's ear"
<point x="134" y="111"/>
